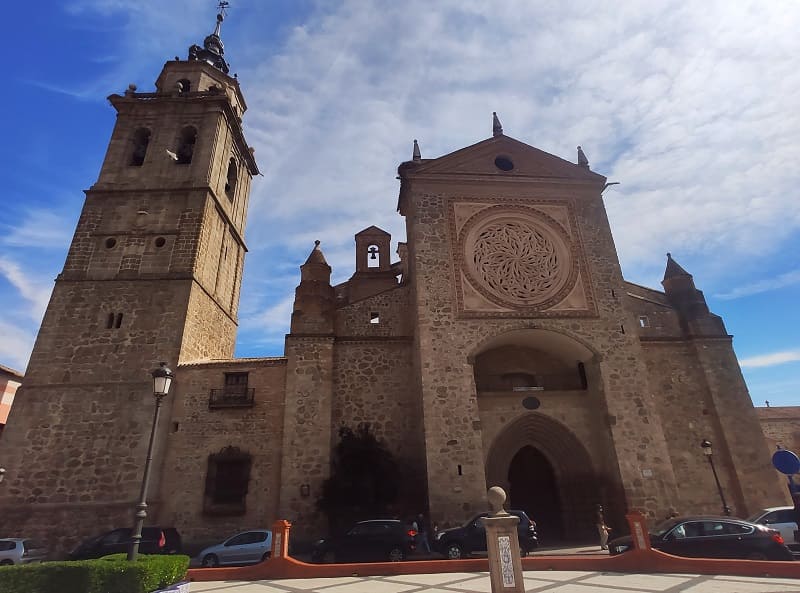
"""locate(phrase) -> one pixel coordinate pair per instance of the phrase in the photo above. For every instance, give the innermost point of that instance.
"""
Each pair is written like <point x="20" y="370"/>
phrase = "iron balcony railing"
<point x="231" y="398"/>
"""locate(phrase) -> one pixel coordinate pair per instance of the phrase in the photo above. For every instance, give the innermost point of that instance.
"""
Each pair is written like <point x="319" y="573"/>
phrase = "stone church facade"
<point x="501" y="347"/>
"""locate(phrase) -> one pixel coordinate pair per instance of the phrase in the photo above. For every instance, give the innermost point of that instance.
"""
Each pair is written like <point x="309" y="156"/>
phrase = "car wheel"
<point x="210" y="561"/>
<point x="453" y="551"/>
<point x="6" y="562"/>
<point x="757" y="556"/>
<point x="396" y="555"/>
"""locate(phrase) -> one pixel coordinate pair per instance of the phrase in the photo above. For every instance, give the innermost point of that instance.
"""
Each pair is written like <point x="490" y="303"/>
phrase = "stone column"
<point x="502" y="543"/>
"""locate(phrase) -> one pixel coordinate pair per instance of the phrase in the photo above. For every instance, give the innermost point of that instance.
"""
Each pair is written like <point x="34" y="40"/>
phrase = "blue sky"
<point x="692" y="106"/>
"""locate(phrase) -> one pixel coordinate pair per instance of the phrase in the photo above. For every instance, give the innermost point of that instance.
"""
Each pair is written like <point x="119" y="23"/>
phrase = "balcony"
<point x="231" y="397"/>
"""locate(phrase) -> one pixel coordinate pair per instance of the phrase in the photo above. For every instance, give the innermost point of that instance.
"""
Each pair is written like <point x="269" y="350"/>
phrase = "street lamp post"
<point x="706" y="445"/>
<point x="162" y="379"/>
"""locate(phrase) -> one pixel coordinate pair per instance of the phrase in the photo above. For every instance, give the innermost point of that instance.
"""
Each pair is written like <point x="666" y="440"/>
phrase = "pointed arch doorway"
<point x="533" y="488"/>
<point x="549" y="474"/>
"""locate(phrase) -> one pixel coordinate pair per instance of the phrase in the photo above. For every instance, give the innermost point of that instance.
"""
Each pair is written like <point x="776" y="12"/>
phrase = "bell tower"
<point x="153" y="274"/>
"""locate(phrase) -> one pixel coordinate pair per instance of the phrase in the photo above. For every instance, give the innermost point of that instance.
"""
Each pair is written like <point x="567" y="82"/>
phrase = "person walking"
<point x="421" y="527"/>
<point x="602" y="528"/>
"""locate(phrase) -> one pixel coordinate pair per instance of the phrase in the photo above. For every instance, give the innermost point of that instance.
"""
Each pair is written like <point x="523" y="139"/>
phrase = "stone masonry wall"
<point x="371" y="385"/>
<point x="197" y="431"/>
<point x="393" y="308"/>
<point x="307" y="432"/>
<point x="689" y="417"/>
<point x="446" y="341"/>
<point x="749" y="460"/>
<point x="781" y="427"/>
<point x="77" y="436"/>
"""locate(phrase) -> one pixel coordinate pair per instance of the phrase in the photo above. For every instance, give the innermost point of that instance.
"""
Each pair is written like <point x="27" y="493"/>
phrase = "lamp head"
<point x="162" y="380"/>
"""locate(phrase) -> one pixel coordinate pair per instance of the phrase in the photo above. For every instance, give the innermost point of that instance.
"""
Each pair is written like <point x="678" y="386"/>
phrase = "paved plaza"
<point x="550" y="581"/>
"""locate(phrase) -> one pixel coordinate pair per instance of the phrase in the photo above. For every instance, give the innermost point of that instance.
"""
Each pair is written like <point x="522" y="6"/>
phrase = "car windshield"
<point x="755" y="516"/>
<point x="664" y="526"/>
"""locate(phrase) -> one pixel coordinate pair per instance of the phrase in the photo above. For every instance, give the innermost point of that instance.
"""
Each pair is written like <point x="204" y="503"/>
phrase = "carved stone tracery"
<point x="518" y="257"/>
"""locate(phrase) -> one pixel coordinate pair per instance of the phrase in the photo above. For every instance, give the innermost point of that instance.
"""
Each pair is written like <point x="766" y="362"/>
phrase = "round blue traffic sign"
<point x="786" y="462"/>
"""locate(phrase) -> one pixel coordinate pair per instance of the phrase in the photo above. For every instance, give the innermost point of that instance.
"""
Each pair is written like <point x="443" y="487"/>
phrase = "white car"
<point x="779" y="518"/>
<point x="247" y="547"/>
<point x="17" y="550"/>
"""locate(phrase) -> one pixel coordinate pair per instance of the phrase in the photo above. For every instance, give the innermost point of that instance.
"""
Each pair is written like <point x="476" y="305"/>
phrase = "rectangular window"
<point x="374" y="318"/>
<point x="234" y="394"/>
<point x="236" y="382"/>
<point x="227" y="481"/>
<point x="644" y="321"/>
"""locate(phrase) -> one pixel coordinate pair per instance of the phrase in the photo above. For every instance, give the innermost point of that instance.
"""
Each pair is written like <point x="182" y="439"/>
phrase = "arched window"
<point x="186" y="145"/>
<point x="184" y="86"/>
<point x="373" y="261"/>
<point x="141" y="139"/>
<point x="233" y="176"/>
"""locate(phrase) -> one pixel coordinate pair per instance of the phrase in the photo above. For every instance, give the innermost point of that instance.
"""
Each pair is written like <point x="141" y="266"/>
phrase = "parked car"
<point x="18" y="550"/>
<point x="712" y="537"/>
<point x="470" y="538"/>
<point x="782" y="519"/>
<point x="376" y="540"/>
<point x="247" y="547"/>
<point x="155" y="540"/>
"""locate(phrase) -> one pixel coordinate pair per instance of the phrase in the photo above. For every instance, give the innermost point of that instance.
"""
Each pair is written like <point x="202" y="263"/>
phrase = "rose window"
<point x="517" y="258"/>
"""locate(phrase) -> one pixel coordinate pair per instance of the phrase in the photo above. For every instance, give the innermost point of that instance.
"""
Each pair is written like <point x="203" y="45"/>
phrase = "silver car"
<point x="247" y="547"/>
<point x="779" y="518"/>
<point x="17" y="550"/>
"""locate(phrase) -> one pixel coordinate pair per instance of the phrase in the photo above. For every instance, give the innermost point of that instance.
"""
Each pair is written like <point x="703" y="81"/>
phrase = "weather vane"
<point x="222" y="6"/>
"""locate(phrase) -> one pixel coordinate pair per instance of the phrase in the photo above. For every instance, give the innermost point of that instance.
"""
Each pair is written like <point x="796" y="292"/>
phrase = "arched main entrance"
<point x="533" y="488"/>
<point x="549" y="474"/>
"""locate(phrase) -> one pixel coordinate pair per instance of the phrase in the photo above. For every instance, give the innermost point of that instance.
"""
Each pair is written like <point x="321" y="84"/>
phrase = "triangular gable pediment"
<point x="479" y="159"/>
<point x="373" y="231"/>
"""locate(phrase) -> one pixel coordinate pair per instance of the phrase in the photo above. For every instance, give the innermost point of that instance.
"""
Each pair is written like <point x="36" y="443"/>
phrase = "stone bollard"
<point x="502" y="543"/>
<point x="280" y="538"/>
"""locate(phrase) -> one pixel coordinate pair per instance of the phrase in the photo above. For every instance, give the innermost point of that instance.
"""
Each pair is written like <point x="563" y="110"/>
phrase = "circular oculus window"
<point x="504" y="163"/>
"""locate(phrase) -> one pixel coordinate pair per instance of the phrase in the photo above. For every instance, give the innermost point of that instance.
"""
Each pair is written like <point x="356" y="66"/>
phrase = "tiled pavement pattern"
<point x="549" y="581"/>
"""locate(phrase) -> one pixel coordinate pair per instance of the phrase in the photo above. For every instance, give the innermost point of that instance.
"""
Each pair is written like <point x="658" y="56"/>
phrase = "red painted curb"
<point x="634" y="561"/>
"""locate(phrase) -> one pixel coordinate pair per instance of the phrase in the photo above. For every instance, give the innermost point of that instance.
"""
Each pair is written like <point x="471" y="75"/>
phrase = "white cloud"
<point x="39" y="228"/>
<point x="765" y="285"/>
<point x="772" y="359"/>
<point x="690" y="105"/>
<point x="34" y="290"/>
<point x="16" y="345"/>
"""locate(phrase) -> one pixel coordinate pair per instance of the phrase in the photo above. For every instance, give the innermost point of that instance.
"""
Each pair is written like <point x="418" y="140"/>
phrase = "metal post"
<point x="141" y="508"/>
<point x="725" y="509"/>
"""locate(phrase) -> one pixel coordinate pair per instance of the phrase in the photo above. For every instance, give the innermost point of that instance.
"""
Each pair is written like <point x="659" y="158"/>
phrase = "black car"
<point x="712" y="537"/>
<point x="376" y="540"/>
<point x="155" y="540"/>
<point x="458" y="542"/>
